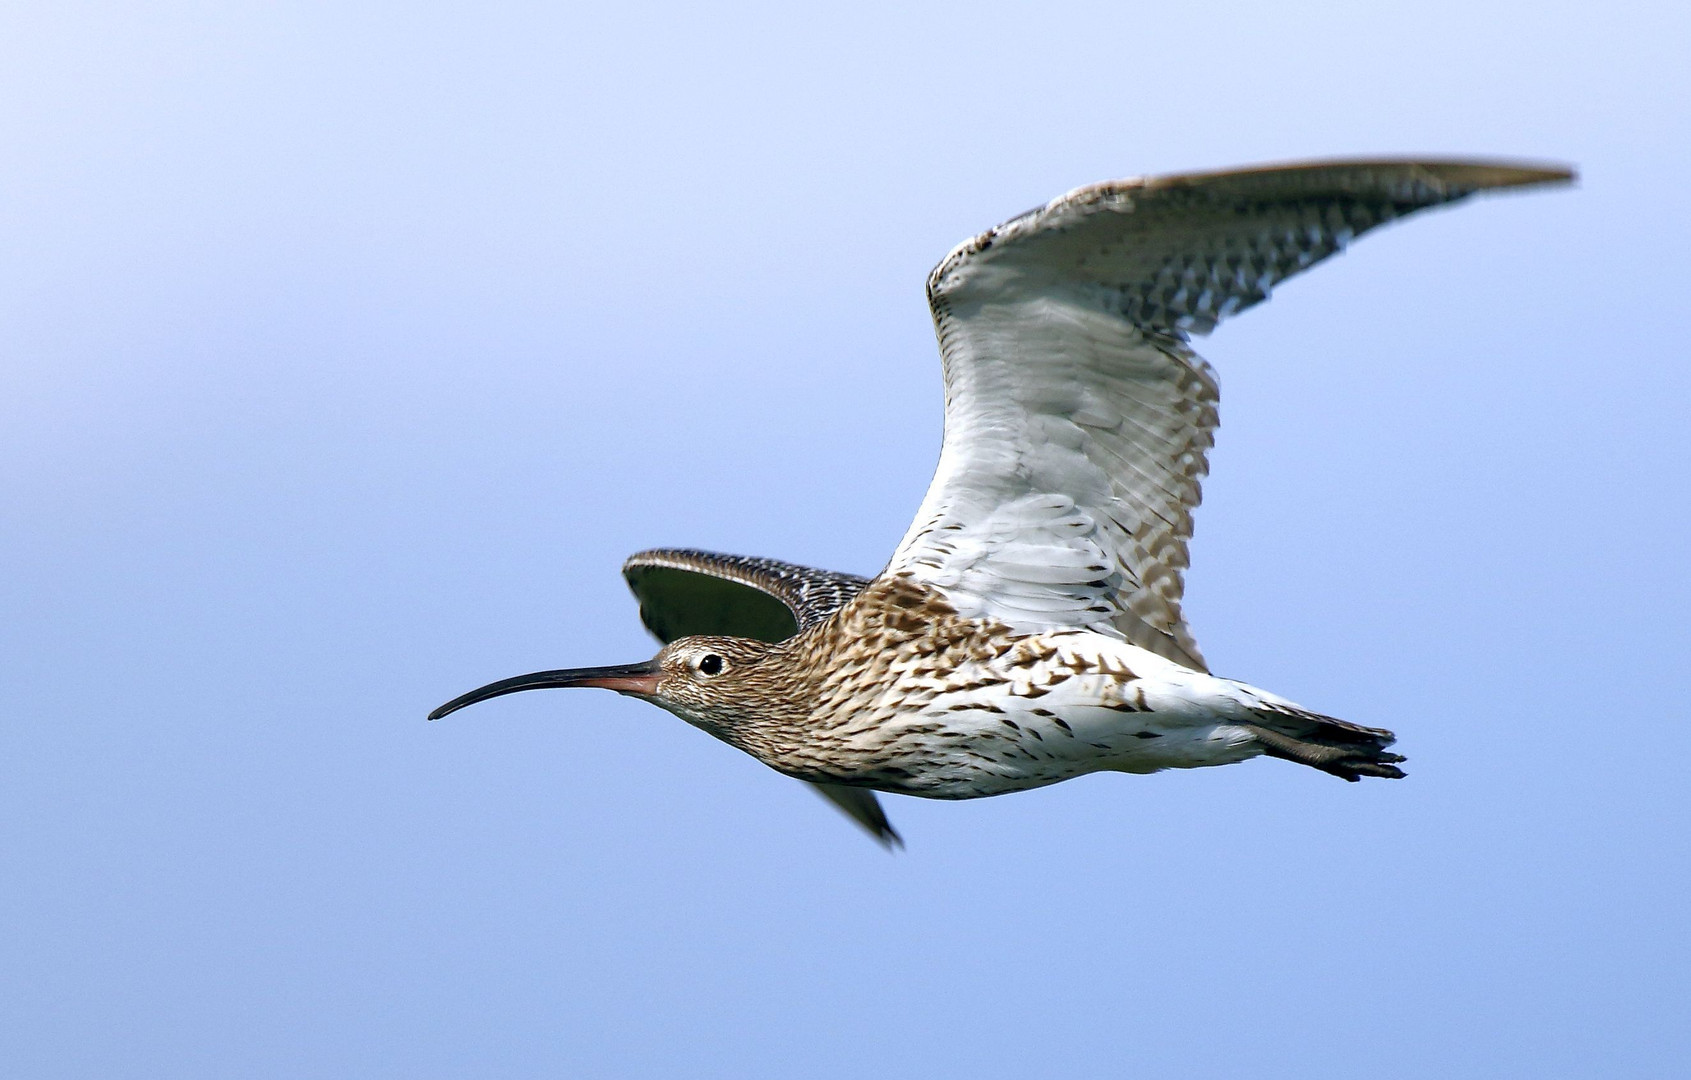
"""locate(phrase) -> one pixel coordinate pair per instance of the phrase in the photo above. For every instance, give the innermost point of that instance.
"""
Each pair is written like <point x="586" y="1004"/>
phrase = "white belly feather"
<point x="1094" y="704"/>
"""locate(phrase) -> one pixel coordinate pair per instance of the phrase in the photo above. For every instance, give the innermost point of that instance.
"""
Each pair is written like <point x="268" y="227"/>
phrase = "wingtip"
<point x="1469" y="173"/>
<point x="1511" y="174"/>
<point x="1495" y="174"/>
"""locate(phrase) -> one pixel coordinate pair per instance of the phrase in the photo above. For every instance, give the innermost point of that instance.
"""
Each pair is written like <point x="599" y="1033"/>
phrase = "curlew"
<point x="1028" y="629"/>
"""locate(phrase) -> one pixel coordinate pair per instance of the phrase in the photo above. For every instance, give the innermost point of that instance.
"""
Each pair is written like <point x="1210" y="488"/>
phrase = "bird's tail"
<point x="1348" y="751"/>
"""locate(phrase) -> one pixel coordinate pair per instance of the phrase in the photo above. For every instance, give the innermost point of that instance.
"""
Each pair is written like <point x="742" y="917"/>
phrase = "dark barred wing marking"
<point x="1177" y="254"/>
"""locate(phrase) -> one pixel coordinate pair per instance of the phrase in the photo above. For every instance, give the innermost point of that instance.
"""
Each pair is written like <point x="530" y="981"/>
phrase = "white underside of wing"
<point x="1077" y="420"/>
<point x="1073" y="450"/>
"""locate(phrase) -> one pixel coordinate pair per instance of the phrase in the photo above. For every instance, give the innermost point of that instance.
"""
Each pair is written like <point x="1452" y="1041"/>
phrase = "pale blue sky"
<point x="346" y="349"/>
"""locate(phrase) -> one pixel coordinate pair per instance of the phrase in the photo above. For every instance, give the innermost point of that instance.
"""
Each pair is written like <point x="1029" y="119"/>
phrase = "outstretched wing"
<point x="682" y="593"/>
<point x="1077" y="419"/>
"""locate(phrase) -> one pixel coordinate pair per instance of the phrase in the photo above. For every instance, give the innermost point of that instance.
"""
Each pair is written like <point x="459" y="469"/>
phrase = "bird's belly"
<point x="994" y="736"/>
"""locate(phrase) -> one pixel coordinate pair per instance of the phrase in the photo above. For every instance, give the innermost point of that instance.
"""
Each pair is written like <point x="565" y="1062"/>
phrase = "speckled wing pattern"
<point x="1078" y="420"/>
<point x="684" y="592"/>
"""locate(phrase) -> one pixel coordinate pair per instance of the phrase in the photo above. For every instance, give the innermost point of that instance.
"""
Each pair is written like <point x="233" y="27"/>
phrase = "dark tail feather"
<point x="1348" y="751"/>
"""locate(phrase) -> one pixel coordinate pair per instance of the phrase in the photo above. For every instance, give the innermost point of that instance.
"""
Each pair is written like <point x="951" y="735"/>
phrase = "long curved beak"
<point x="639" y="679"/>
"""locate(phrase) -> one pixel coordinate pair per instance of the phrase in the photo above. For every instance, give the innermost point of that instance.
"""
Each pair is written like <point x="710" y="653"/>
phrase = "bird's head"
<point x="716" y="683"/>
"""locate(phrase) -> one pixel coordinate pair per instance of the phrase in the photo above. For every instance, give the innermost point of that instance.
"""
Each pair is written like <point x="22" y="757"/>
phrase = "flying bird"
<point x="1028" y="627"/>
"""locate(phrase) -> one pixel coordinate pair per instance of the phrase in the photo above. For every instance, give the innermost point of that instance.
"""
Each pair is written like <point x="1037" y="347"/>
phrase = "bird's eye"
<point x="710" y="664"/>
